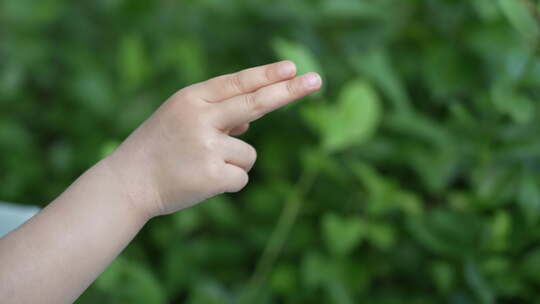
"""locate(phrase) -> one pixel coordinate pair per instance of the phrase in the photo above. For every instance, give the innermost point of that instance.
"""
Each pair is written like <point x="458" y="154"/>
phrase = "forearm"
<point x="59" y="252"/>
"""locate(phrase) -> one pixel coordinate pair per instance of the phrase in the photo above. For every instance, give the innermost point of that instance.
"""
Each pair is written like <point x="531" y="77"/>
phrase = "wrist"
<point x="135" y="194"/>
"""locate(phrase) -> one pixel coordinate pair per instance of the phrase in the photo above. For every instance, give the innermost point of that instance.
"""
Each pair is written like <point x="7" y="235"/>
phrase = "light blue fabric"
<point x="13" y="215"/>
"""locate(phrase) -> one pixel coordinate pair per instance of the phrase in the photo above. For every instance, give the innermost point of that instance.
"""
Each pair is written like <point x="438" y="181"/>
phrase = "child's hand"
<point x="184" y="154"/>
<point x="180" y="156"/>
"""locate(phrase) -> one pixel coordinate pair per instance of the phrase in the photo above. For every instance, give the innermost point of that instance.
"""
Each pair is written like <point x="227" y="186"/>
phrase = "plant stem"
<point x="278" y="238"/>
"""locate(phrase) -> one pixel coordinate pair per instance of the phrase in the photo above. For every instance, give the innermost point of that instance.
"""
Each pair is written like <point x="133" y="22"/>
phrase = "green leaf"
<point x="338" y="293"/>
<point x="208" y="292"/>
<point x="377" y="67"/>
<point x="221" y="211"/>
<point x="478" y="283"/>
<point x="519" y="107"/>
<point x="420" y="127"/>
<point x="132" y="60"/>
<point x="486" y="9"/>
<point x="283" y="279"/>
<point x="130" y="281"/>
<point x="112" y="275"/>
<point x="94" y="90"/>
<point x="108" y="147"/>
<point x="188" y="220"/>
<point x="520" y="17"/>
<point x="384" y="194"/>
<point x="446" y="233"/>
<point x="352" y="120"/>
<point x="359" y="113"/>
<point x="529" y="198"/>
<point x="531" y="265"/>
<point x="341" y="234"/>
<point x="302" y="56"/>
<point x="443" y="275"/>
<point x="28" y="13"/>
<point x="315" y="269"/>
<point x="501" y="226"/>
<point x="381" y="235"/>
<point x="342" y="9"/>
<point x="189" y="60"/>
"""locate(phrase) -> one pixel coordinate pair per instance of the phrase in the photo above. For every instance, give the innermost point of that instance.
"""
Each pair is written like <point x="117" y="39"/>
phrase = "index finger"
<point x="246" y="81"/>
<point x="249" y="107"/>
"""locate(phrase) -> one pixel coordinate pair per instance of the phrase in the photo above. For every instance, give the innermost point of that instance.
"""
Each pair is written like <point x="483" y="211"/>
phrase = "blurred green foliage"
<point x="412" y="178"/>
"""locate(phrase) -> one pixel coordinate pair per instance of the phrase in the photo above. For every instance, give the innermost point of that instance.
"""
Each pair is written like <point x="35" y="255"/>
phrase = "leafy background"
<point x="412" y="178"/>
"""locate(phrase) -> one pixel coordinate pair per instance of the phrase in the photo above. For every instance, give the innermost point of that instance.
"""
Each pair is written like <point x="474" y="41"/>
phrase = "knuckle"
<point x="269" y="73"/>
<point x="252" y="105"/>
<point x="235" y="82"/>
<point x="291" y="88"/>
<point x="188" y="114"/>
<point x="209" y="144"/>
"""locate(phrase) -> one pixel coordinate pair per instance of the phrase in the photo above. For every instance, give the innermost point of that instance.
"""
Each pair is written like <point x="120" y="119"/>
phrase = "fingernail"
<point x="286" y="69"/>
<point x="312" y="80"/>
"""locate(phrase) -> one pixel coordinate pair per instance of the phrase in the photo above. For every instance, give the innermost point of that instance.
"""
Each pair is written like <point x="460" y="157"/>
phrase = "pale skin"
<point x="183" y="154"/>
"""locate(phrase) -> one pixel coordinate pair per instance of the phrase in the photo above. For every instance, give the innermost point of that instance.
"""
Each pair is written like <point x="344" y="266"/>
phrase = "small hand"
<point x="184" y="153"/>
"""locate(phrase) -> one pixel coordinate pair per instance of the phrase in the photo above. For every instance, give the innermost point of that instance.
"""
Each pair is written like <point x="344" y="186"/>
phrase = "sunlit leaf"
<point x="521" y="16"/>
<point x="352" y="120"/>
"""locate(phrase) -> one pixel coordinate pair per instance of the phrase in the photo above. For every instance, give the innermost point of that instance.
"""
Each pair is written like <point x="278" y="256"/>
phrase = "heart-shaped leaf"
<point x="353" y="120"/>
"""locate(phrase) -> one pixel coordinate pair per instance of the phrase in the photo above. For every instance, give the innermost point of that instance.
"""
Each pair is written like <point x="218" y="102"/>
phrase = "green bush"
<point x="414" y="177"/>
